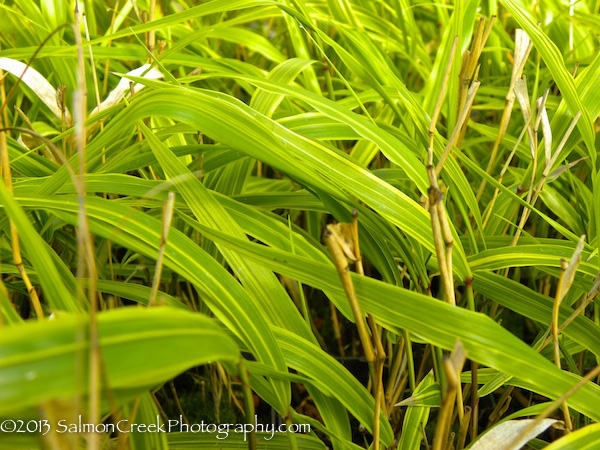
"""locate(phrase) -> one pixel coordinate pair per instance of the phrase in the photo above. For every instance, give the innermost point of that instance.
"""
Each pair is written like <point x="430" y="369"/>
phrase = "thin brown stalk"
<point x="459" y="123"/>
<point x="589" y="298"/>
<point x="469" y="69"/>
<point x="555" y="309"/>
<point x="443" y="249"/>
<point x="178" y="402"/>
<point x="394" y="374"/>
<point x="341" y="264"/>
<point x="34" y="135"/>
<point x="567" y="274"/>
<point x="2" y="101"/>
<point x="523" y="99"/>
<point x="91" y="54"/>
<point x="463" y="130"/>
<point x="545" y="173"/>
<point x="376" y="335"/>
<point x="33" y="56"/>
<point x="107" y="64"/>
<point x="452" y="367"/>
<point x="152" y="32"/>
<point x="14" y="235"/>
<point x="468" y="64"/>
<point x="474" y="399"/>
<point x="442" y="235"/>
<point x="520" y="58"/>
<point x="495" y="414"/>
<point x="337" y="330"/>
<point x="555" y="335"/>
<point x="86" y="261"/>
<point x="97" y="94"/>
<point x="168" y="207"/>
<point x="446" y="235"/>
<point x="379" y="405"/>
<point x="464" y="428"/>
<point x="440" y="100"/>
<point x="504" y="169"/>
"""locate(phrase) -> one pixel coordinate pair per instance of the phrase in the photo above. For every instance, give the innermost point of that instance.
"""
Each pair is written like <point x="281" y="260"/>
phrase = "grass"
<point x="380" y="219"/>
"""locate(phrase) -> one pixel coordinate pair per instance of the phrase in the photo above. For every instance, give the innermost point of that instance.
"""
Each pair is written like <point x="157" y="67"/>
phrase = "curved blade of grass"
<point x="416" y="418"/>
<point x="147" y="412"/>
<point x="527" y="255"/>
<point x="266" y="102"/>
<point x="221" y="292"/>
<point x="536" y="306"/>
<point x="212" y="7"/>
<point x="365" y="60"/>
<point x="140" y="347"/>
<point x="235" y="124"/>
<point x="269" y="295"/>
<point x="436" y="322"/>
<point x="307" y="358"/>
<point x="58" y="296"/>
<point x="393" y="149"/>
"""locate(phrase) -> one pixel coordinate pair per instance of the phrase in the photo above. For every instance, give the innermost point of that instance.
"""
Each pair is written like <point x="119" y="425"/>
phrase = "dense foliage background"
<point x="379" y="218"/>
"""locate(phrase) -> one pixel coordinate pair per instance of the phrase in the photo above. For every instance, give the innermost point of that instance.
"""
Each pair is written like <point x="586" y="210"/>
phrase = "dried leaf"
<point x="562" y="169"/>
<point x="342" y="233"/>
<point x="547" y="132"/>
<point x="117" y="94"/>
<point x="458" y="356"/>
<point x="37" y="83"/>
<point x="522" y="48"/>
<point x="453" y="365"/>
<point x="501" y="436"/>
<point x="523" y="99"/>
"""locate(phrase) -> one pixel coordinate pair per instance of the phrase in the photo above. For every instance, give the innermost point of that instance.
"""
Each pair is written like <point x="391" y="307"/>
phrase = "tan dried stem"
<point x="440" y="100"/>
<point x="107" y="64"/>
<point x="152" y="32"/>
<point x="453" y="365"/>
<point x="470" y="67"/>
<point x="86" y="261"/>
<point x="14" y="234"/>
<point x="376" y="335"/>
<point x="589" y="297"/>
<point x="464" y="428"/>
<point x="98" y="103"/>
<point x="443" y="249"/>
<point x="523" y="100"/>
<point x="168" y="207"/>
<point x="567" y="274"/>
<point x="442" y="235"/>
<point x="334" y="243"/>
<point x="545" y="173"/>
<point x="555" y="310"/>
<point x="523" y="47"/>
<point x="459" y="123"/>
<point x="503" y="171"/>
